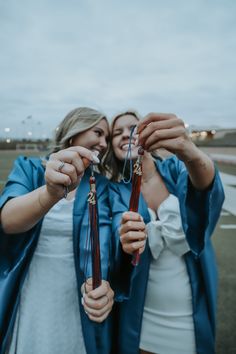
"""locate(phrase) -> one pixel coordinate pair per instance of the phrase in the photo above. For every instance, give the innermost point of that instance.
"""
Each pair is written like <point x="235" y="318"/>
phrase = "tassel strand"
<point x="94" y="233"/>
<point x="135" y="193"/>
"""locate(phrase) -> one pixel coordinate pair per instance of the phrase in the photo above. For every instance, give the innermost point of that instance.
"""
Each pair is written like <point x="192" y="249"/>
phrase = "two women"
<point x="172" y="292"/>
<point x="45" y="262"/>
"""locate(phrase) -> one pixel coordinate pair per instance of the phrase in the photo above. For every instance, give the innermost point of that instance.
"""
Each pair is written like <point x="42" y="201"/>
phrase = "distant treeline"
<point x="17" y="144"/>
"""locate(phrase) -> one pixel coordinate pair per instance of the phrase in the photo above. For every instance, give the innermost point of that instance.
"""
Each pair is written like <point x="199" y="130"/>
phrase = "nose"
<point x="126" y="133"/>
<point x="103" y="143"/>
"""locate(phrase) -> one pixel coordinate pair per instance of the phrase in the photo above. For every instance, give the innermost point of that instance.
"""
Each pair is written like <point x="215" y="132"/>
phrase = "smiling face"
<point x="94" y="139"/>
<point x="121" y="134"/>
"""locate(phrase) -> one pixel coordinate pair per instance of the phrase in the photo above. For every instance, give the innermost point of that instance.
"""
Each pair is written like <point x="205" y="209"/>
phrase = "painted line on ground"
<point x="228" y="227"/>
<point x="225" y="213"/>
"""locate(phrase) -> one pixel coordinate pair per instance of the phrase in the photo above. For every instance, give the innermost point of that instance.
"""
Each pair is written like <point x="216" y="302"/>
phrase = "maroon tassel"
<point x="135" y="193"/>
<point x="94" y="234"/>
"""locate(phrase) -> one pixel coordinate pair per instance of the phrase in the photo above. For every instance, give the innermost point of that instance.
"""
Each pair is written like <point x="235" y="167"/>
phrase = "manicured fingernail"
<point x="82" y="301"/>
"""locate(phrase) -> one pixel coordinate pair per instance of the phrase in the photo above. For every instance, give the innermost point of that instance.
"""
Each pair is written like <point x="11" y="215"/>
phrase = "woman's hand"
<point x="160" y="130"/>
<point x="132" y="232"/>
<point x="98" y="302"/>
<point x="65" y="168"/>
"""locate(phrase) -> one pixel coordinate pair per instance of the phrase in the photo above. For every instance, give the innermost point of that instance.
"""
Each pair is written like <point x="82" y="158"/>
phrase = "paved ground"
<point x="229" y="182"/>
<point x="224" y="240"/>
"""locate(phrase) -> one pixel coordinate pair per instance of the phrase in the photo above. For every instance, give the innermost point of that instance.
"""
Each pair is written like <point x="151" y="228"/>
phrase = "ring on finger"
<point x="62" y="164"/>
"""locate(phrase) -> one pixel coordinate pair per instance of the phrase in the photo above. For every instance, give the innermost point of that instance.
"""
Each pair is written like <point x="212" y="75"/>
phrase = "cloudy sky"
<point x="152" y="55"/>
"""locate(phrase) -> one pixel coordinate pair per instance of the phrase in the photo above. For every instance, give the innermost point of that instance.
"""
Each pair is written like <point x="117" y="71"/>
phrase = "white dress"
<point x="167" y="326"/>
<point x="48" y="318"/>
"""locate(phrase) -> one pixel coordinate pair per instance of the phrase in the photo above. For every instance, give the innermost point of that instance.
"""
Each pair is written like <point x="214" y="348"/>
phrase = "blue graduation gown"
<point x="16" y="251"/>
<point x="199" y="213"/>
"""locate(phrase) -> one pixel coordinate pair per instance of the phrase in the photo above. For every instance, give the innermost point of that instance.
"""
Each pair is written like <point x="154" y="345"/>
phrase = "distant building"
<point x="213" y="136"/>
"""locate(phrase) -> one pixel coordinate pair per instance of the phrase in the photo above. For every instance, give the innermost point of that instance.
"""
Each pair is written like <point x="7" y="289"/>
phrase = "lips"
<point x="125" y="147"/>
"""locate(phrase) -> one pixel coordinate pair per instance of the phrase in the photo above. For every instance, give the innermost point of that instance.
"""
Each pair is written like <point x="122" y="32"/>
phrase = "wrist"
<point x="46" y="199"/>
<point x="190" y="155"/>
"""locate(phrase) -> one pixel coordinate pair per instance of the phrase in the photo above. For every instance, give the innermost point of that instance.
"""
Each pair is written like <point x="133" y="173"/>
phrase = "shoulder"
<point x="101" y="181"/>
<point x="100" y="178"/>
<point x="25" y="162"/>
<point x="118" y="186"/>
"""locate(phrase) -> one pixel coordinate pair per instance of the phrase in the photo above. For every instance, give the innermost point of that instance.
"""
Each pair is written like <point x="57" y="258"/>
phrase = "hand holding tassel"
<point x="133" y="233"/>
<point x="134" y="198"/>
<point x="97" y="302"/>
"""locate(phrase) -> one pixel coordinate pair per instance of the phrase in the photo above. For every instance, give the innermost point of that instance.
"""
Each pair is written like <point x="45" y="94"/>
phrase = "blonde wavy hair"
<point x="75" y="122"/>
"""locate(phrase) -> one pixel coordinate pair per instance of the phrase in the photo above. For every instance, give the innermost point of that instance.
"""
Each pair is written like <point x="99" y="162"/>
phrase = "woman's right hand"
<point x="97" y="302"/>
<point x="65" y="168"/>
<point x="133" y="233"/>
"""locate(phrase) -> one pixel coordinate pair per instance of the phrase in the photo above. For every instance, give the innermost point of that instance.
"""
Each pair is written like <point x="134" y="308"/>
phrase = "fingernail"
<point x="82" y="301"/>
<point x="95" y="159"/>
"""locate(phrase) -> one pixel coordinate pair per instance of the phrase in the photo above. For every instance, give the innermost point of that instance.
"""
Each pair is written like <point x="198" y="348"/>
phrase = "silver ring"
<point x="62" y="164"/>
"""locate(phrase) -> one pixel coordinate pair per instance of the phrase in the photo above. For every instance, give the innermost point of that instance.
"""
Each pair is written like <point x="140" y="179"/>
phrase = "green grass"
<point x="7" y="158"/>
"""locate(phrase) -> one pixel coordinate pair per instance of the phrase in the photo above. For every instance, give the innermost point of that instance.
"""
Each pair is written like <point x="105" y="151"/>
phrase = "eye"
<point x="117" y="133"/>
<point x="98" y="132"/>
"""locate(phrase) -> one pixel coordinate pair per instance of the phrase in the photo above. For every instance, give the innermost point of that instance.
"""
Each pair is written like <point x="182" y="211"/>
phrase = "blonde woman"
<point x="45" y="304"/>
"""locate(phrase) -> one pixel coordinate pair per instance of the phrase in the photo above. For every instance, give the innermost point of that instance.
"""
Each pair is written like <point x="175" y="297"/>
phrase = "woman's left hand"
<point x="161" y="130"/>
<point x="98" y="302"/>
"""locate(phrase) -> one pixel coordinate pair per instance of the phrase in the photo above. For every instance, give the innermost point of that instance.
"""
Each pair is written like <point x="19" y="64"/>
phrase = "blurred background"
<point x="164" y="56"/>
